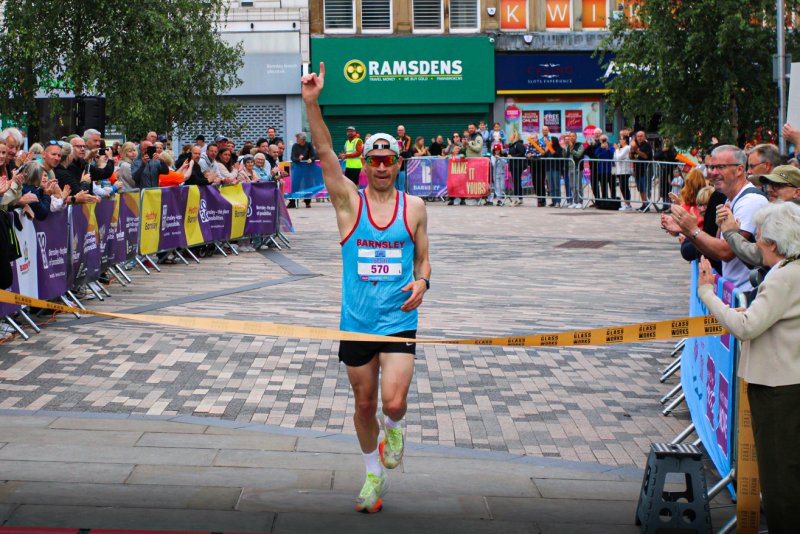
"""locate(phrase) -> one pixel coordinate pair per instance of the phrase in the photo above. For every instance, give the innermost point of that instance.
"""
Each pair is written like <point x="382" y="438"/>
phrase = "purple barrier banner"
<point x="85" y="254"/>
<point x="262" y="213"/>
<point x="53" y="245"/>
<point x="128" y="223"/>
<point x="173" y="208"/>
<point x="427" y="177"/>
<point x="215" y="215"/>
<point x="10" y="309"/>
<point x="104" y="213"/>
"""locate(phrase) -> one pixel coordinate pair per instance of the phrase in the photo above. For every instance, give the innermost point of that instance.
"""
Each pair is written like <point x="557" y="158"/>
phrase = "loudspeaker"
<point x="90" y="113"/>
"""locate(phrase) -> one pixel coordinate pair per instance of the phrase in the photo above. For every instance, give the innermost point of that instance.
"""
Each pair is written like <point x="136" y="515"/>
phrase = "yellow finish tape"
<point x="748" y="490"/>
<point x="656" y="331"/>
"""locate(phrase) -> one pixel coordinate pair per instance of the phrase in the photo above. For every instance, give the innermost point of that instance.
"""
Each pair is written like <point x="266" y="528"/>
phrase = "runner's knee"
<point x="395" y="409"/>
<point x="366" y="409"/>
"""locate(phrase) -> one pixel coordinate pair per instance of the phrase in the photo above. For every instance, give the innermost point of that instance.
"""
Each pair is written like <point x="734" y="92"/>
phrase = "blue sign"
<point x="708" y="377"/>
<point x="549" y="73"/>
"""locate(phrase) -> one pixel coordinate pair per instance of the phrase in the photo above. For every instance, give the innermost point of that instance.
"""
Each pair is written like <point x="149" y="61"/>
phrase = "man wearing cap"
<point x="783" y="185"/>
<point x="353" y="148"/>
<point x="385" y="274"/>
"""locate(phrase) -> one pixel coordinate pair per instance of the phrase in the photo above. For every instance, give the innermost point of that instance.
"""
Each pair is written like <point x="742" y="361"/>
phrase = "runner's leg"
<point x="364" y="381"/>
<point x="397" y="370"/>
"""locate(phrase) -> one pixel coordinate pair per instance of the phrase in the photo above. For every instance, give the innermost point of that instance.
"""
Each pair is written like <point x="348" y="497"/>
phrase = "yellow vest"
<point x="349" y="147"/>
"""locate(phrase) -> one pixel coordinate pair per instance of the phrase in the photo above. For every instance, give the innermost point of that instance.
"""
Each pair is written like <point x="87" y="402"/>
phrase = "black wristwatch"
<point x="427" y="282"/>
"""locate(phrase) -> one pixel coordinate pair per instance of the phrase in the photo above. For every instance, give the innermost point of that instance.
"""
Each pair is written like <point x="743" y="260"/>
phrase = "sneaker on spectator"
<point x="6" y="329"/>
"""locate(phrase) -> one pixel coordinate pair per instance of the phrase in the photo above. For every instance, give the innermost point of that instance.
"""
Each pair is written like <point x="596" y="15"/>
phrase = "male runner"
<point x="385" y="275"/>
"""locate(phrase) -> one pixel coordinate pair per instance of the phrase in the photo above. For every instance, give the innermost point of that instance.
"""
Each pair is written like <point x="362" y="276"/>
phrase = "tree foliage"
<point x="160" y="65"/>
<point x="705" y="65"/>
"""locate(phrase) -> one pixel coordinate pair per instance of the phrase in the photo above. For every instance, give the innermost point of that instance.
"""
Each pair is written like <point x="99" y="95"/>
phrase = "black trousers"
<point x="352" y="175"/>
<point x="776" y="428"/>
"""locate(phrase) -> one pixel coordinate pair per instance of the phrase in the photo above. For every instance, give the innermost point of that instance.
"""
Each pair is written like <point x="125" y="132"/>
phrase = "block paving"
<point x="496" y="272"/>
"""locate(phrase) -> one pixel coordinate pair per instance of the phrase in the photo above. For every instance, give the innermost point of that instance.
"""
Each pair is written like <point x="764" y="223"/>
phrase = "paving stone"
<point x="544" y="511"/>
<point x="272" y="479"/>
<point x="206" y="441"/>
<point x="92" y="517"/>
<point x="95" y="473"/>
<point x="287" y="460"/>
<point x="552" y="488"/>
<point x="588" y="528"/>
<point x="47" y="436"/>
<point x="120" y="495"/>
<point x="386" y="522"/>
<point x="103" y="454"/>
<point x="79" y="423"/>
<point x="13" y="421"/>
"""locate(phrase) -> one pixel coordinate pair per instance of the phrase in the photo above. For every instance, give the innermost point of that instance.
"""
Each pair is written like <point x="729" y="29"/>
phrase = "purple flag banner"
<point x="84" y="252"/>
<point x="173" y="208"/>
<point x="104" y="213"/>
<point x="262" y="213"/>
<point x="53" y="248"/>
<point x="128" y="222"/>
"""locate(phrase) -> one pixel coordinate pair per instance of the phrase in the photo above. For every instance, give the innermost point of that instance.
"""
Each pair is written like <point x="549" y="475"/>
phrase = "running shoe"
<point x="391" y="447"/>
<point x="369" y="498"/>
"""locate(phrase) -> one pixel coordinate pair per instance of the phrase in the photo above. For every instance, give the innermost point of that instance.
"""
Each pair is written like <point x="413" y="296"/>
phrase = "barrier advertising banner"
<point x="27" y="266"/>
<point x="85" y="259"/>
<point x="708" y="377"/>
<point x="468" y="177"/>
<point x="427" y="177"/>
<point x="262" y="212"/>
<point x="52" y="241"/>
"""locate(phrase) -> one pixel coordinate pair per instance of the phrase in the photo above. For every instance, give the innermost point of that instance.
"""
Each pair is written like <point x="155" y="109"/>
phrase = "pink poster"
<point x="530" y="121"/>
<point x="573" y="120"/>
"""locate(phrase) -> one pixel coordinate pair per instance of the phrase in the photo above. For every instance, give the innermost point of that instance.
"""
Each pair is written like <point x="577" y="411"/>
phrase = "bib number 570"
<point x="380" y="269"/>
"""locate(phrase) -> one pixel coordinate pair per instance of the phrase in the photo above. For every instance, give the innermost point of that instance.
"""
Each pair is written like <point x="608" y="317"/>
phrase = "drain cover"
<point x="582" y="243"/>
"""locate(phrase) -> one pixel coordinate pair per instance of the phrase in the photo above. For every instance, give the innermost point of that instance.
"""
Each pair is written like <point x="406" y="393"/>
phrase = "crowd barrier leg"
<point x="75" y="299"/>
<point x="142" y="265"/>
<point x="730" y="526"/>
<point x="674" y="391"/>
<point x="674" y="404"/>
<point x="94" y="291"/>
<point x="271" y="239"/>
<point x="685" y="433"/>
<point x="122" y="273"/>
<point x="153" y="263"/>
<point x="113" y="271"/>
<point x="719" y="486"/>
<point x="102" y="288"/>
<point x="669" y="371"/>
<point x="283" y="239"/>
<point x="220" y="249"/>
<point x="178" y="254"/>
<point x="190" y="253"/>
<point x="233" y="248"/>
<point x="71" y="304"/>
<point x="16" y="327"/>
<point x="29" y="321"/>
<point x="678" y="348"/>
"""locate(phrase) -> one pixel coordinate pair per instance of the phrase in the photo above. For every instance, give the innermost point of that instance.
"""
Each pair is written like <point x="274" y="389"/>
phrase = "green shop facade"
<point x="431" y="85"/>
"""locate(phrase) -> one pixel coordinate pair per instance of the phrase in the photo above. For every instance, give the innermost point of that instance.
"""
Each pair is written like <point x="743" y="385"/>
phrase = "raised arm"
<point x="343" y="192"/>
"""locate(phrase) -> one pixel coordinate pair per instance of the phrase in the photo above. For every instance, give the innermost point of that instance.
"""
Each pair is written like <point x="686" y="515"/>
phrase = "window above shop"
<point x="339" y="16"/>
<point x="376" y="16"/>
<point x="464" y="16"/>
<point x="427" y="16"/>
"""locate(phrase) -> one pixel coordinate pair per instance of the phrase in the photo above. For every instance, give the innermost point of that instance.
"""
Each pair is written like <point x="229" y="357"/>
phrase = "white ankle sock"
<point x="390" y="424"/>
<point x="372" y="461"/>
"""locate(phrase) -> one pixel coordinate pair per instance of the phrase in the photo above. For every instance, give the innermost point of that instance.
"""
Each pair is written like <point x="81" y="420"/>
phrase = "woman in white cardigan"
<point x="770" y="359"/>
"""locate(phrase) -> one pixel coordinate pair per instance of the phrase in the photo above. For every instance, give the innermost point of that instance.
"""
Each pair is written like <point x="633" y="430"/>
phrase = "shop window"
<point x="464" y="16"/>
<point x="427" y="16"/>
<point x="513" y="15"/>
<point x="339" y="16"/>
<point x="595" y="14"/>
<point x="558" y="14"/>
<point x="376" y="16"/>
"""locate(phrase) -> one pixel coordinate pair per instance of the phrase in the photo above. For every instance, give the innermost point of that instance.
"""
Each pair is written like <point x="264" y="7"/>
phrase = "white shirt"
<point x="744" y="208"/>
<point x="621" y="165"/>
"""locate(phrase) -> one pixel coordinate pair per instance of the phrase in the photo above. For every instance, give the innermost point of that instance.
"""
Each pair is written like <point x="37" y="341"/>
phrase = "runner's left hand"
<point x="417" y="289"/>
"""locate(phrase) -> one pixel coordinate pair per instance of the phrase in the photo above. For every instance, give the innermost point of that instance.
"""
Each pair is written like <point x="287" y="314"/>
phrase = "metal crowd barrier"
<point x="643" y="183"/>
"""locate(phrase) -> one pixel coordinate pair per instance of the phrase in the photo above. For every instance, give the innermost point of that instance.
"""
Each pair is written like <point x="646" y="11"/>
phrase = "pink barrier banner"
<point x="468" y="177"/>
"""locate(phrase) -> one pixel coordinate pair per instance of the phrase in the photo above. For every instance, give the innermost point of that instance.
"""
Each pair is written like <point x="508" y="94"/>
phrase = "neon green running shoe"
<point x="391" y="447"/>
<point x="369" y="499"/>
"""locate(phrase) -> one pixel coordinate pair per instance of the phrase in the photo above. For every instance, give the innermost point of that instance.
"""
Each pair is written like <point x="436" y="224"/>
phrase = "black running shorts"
<point x="358" y="353"/>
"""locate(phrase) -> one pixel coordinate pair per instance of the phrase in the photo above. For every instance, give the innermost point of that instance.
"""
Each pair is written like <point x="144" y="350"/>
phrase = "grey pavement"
<point x="108" y="424"/>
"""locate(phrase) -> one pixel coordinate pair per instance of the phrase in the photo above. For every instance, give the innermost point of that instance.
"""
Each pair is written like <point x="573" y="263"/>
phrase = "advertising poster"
<point x="552" y="119"/>
<point x="573" y="120"/>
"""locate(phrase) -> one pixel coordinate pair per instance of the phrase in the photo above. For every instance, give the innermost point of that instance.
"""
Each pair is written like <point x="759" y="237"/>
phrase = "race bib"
<point x="380" y="265"/>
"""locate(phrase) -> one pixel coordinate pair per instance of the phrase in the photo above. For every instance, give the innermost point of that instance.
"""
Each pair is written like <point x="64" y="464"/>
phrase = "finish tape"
<point x="656" y="331"/>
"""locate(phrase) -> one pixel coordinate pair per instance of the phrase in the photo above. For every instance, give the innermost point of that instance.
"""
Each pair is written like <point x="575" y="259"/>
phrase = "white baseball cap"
<point x="383" y="141"/>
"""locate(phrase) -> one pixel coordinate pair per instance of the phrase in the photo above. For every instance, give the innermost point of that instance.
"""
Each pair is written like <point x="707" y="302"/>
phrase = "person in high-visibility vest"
<point x="353" y="148"/>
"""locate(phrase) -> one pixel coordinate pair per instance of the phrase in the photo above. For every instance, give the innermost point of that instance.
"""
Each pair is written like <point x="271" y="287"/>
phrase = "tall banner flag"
<point x="468" y="177"/>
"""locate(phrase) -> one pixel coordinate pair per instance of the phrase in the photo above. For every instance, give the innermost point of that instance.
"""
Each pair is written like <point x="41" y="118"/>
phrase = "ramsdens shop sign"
<point x="405" y="70"/>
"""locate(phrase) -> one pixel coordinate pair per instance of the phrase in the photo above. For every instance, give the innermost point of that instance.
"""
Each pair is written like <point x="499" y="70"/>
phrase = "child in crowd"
<point x="499" y="165"/>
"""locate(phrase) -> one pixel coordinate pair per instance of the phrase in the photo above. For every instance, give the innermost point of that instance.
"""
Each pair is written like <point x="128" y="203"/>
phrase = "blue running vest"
<point x="376" y="264"/>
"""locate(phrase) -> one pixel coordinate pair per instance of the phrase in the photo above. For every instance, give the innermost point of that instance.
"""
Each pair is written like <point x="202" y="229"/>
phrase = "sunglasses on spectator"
<point x="53" y="142"/>
<point x="375" y="161"/>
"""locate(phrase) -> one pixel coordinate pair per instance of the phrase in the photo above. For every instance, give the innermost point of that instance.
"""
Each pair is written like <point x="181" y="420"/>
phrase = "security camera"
<point x="491" y="11"/>
<point x="491" y="39"/>
<point x="528" y="39"/>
